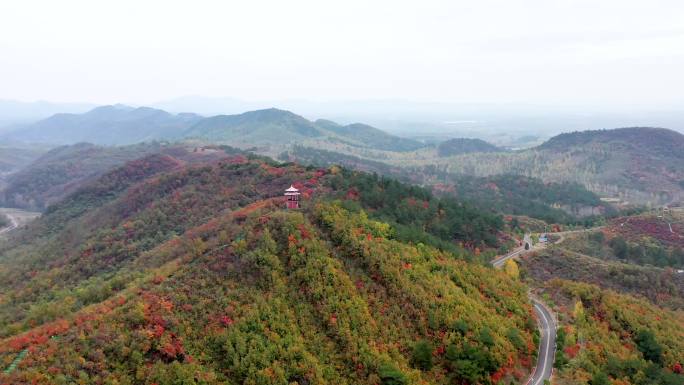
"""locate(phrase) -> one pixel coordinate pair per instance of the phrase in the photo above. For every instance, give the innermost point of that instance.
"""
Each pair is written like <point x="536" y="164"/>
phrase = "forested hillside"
<point x="638" y="164"/>
<point x="663" y="287"/>
<point x="364" y="135"/>
<point x="15" y="157"/>
<point x="507" y="193"/>
<point x="255" y="127"/>
<point x="465" y="146"/>
<point x="106" y="125"/>
<point x="643" y="239"/>
<point x="279" y="128"/>
<point x="610" y="338"/>
<point x="635" y="164"/>
<point x="123" y="125"/>
<point x="562" y="202"/>
<point x="58" y="172"/>
<point x="158" y="264"/>
<point x="161" y="272"/>
<point x="64" y="169"/>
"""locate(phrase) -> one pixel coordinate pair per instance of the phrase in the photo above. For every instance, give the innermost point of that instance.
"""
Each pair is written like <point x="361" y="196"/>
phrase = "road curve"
<point x="547" y="328"/>
<point x="547" y="344"/>
<point x="13" y="224"/>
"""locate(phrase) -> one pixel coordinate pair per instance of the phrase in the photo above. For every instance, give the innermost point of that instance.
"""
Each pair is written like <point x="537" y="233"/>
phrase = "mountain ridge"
<point x="201" y="273"/>
<point x="457" y="146"/>
<point x="113" y="124"/>
<point x="635" y="165"/>
<point x="653" y="138"/>
<point x="278" y="127"/>
<point x="64" y="169"/>
<point x="120" y="125"/>
<point x="254" y="125"/>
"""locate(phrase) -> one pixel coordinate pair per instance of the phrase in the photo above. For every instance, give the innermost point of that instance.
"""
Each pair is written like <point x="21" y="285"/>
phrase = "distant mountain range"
<point x="12" y="111"/>
<point x="120" y="124"/>
<point x="274" y="126"/>
<point x="255" y="127"/>
<point x="640" y="164"/>
<point x="13" y="158"/>
<point x="637" y="165"/>
<point x="117" y="124"/>
<point x="465" y="146"/>
<point x="365" y="135"/>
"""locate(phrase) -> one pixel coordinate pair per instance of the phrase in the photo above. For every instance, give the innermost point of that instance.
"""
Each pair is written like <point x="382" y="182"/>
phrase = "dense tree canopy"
<point x="198" y="275"/>
<point x="613" y="338"/>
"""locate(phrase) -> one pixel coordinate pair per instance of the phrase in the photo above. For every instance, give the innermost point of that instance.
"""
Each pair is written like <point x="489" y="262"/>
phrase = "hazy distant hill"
<point x="14" y="112"/>
<point x="465" y="146"/>
<point x="15" y="157"/>
<point x="255" y="127"/>
<point x="117" y="124"/>
<point x="120" y="125"/>
<point x="638" y="164"/>
<point x="659" y="142"/>
<point x="641" y="164"/>
<point x="368" y="136"/>
<point x="65" y="169"/>
<point x="274" y="126"/>
<point x="640" y="158"/>
<point x="510" y="194"/>
<point x="61" y="170"/>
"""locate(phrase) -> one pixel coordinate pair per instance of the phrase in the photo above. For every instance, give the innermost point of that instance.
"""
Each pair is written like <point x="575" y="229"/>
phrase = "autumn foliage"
<point x="199" y="276"/>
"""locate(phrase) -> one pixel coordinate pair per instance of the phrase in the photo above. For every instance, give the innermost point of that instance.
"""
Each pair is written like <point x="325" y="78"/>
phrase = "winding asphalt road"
<point x="547" y="325"/>
<point x="547" y="344"/>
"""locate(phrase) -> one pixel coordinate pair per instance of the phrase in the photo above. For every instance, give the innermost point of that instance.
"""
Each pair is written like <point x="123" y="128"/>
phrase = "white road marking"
<point x="547" y="328"/>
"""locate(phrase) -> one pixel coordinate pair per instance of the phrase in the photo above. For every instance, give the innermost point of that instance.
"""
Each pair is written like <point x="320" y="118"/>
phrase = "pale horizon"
<point x="612" y="54"/>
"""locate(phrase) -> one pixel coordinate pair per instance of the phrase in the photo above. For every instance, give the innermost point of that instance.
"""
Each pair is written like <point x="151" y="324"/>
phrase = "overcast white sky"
<point x="609" y="52"/>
